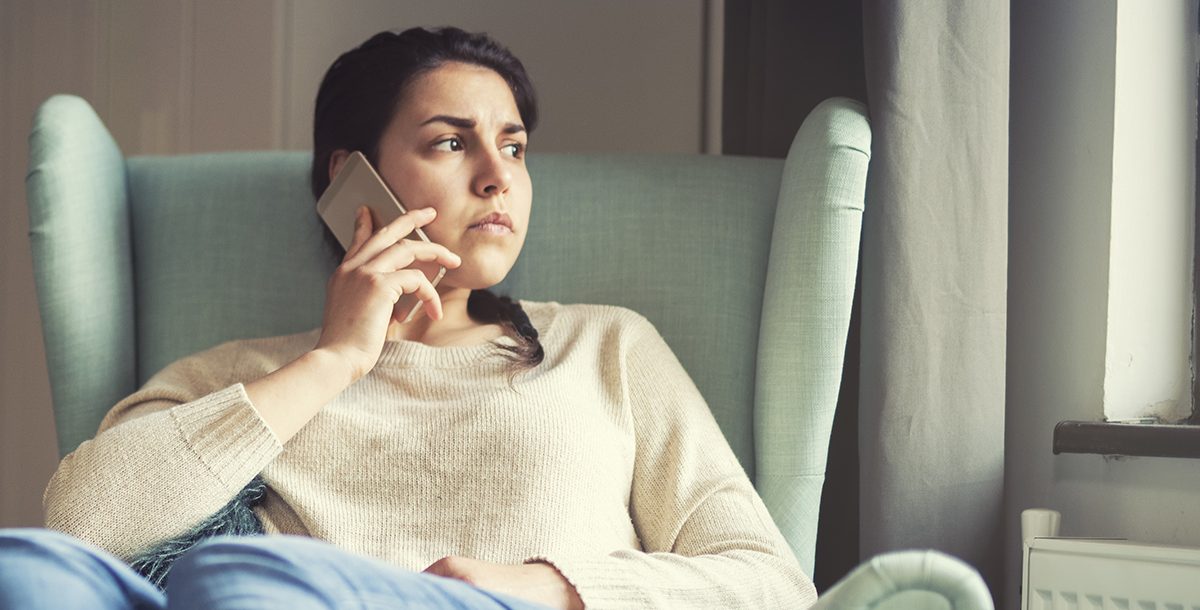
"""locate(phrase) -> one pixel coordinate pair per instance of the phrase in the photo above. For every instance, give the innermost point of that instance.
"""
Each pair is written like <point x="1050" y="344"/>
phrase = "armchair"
<point x="745" y="265"/>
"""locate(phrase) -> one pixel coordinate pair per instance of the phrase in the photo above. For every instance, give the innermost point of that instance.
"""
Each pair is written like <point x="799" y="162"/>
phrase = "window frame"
<point x="1154" y="438"/>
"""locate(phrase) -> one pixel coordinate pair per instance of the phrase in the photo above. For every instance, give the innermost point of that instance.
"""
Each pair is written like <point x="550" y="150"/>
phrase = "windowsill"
<point x="1106" y="438"/>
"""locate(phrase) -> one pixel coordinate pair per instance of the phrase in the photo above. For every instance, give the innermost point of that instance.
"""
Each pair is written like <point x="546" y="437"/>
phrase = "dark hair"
<point x="356" y="101"/>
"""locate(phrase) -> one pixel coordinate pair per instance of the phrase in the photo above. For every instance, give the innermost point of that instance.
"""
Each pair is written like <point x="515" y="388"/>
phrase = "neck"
<point x="424" y="329"/>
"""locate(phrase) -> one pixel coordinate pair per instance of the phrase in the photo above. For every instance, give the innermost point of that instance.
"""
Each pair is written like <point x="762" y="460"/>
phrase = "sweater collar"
<point x="404" y="353"/>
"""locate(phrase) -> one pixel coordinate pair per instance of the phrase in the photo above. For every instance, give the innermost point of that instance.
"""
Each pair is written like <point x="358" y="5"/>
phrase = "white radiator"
<point x="1091" y="574"/>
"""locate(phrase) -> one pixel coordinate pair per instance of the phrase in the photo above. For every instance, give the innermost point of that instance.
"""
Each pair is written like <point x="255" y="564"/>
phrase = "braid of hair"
<point x="485" y="306"/>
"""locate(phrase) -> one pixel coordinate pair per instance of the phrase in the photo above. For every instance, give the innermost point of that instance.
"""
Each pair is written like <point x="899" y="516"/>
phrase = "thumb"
<point x="440" y="567"/>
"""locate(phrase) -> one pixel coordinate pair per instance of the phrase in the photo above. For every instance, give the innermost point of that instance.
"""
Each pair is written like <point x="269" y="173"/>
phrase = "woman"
<point x="403" y="467"/>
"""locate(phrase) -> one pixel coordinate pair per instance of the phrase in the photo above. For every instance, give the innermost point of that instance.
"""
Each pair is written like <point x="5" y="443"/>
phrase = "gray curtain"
<point x="934" y="269"/>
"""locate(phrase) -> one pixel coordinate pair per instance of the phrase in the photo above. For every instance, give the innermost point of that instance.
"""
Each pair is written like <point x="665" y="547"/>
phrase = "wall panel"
<point x="237" y="76"/>
<point x="618" y="75"/>
<point x="47" y="48"/>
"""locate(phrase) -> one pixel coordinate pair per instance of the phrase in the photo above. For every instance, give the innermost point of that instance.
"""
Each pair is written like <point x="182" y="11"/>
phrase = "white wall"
<point x="203" y="75"/>
<point x="1064" y="73"/>
<point x="1147" y="371"/>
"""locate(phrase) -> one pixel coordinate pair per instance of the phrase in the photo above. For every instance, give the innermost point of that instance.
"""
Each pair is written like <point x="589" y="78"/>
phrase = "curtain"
<point x="934" y="280"/>
<point x="925" y="364"/>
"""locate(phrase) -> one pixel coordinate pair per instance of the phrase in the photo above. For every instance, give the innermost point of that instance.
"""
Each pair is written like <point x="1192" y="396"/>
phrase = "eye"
<point x="452" y="142"/>
<point x="518" y="149"/>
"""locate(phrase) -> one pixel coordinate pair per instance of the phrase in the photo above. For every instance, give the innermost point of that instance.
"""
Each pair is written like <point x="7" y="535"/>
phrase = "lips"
<point x="494" y="218"/>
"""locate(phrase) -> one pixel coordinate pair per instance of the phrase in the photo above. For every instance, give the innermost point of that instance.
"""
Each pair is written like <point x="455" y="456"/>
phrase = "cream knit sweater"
<point x="604" y="460"/>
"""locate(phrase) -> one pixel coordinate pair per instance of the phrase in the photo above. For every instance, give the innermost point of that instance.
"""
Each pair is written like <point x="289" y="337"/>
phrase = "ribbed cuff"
<point x="601" y="582"/>
<point x="229" y="436"/>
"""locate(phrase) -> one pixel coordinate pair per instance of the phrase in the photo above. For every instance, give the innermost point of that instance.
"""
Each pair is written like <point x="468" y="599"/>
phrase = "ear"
<point x="336" y="160"/>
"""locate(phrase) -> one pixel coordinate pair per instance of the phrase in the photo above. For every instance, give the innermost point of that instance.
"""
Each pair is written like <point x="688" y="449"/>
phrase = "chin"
<point x="479" y="279"/>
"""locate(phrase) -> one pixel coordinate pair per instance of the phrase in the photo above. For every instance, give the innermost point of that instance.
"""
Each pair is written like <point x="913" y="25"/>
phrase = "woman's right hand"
<point x="363" y="291"/>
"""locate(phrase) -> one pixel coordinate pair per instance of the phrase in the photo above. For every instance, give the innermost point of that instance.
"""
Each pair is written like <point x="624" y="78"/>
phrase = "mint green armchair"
<point x="745" y="265"/>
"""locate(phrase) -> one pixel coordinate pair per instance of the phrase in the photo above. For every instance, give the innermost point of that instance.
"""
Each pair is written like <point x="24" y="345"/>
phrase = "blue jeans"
<point x="43" y="569"/>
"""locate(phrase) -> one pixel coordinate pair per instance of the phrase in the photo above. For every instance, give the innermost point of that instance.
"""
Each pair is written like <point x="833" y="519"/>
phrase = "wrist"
<point x="334" y="365"/>
<point x="569" y="595"/>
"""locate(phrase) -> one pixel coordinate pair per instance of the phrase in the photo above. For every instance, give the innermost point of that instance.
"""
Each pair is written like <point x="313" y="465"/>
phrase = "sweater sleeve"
<point x="163" y="459"/>
<point x="707" y="538"/>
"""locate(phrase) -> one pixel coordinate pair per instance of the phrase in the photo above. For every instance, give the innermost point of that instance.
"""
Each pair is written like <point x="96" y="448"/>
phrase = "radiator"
<point x="1091" y="574"/>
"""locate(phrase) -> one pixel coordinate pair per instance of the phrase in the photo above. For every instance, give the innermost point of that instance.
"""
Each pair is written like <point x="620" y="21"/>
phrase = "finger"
<point x="410" y="281"/>
<point x="391" y="233"/>
<point x="437" y="568"/>
<point x="403" y="253"/>
<point x="362" y="230"/>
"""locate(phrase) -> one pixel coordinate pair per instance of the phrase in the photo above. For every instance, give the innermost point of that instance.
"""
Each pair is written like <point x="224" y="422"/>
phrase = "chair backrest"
<point x="745" y="265"/>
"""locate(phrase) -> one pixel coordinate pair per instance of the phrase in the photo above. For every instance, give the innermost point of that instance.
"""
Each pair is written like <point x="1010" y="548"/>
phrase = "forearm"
<point x="158" y="474"/>
<point x="170" y="454"/>
<point x="292" y="395"/>
<point x="630" y="579"/>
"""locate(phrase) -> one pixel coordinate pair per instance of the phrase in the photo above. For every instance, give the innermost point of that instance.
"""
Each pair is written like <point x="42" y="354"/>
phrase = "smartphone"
<point x="358" y="184"/>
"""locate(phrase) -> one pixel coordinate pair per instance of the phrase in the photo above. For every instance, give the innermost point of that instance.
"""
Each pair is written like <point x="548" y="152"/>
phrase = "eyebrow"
<point x="465" y="123"/>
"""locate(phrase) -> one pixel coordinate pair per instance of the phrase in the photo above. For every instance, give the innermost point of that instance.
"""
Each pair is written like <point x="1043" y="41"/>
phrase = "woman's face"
<point x="456" y="143"/>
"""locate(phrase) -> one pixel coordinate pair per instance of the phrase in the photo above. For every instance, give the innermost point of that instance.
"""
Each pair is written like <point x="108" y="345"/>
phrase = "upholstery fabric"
<point x="79" y="230"/>
<point x="810" y="278"/>
<point x="907" y="580"/>
<point x="745" y="265"/>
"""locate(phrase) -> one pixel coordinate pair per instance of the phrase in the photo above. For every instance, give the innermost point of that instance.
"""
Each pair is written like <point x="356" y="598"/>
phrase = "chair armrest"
<point x="909" y="579"/>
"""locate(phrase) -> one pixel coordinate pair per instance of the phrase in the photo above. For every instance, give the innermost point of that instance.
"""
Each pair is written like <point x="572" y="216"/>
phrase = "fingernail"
<point x="428" y="211"/>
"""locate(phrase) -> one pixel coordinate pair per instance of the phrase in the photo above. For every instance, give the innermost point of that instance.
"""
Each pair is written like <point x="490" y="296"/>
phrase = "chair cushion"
<point x="229" y="245"/>
<point x="225" y="246"/>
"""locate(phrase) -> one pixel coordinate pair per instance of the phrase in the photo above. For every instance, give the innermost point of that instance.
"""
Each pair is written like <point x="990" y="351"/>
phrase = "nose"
<point x="493" y="176"/>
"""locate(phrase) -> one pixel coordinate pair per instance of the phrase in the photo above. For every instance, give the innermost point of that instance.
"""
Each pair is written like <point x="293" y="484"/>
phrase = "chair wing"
<point x="806" y="314"/>
<point x="83" y="263"/>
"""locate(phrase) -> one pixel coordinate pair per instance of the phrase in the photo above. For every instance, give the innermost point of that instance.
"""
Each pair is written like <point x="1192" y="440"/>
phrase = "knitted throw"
<point x="235" y="518"/>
